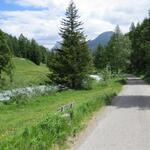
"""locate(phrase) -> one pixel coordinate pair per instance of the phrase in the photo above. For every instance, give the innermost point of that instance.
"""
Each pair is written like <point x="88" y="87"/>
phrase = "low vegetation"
<point x="38" y="122"/>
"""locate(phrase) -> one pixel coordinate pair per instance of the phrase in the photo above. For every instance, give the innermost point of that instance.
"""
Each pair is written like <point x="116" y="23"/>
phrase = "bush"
<point x="106" y="74"/>
<point x="87" y="83"/>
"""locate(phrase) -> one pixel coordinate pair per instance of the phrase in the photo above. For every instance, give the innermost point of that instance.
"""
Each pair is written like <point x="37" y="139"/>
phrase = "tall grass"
<point x="23" y="126"/>
<point x="55" y="129"/>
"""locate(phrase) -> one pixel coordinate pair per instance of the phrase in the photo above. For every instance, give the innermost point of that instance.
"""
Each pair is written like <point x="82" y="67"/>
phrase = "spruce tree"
<point x="22" y="46"/>
<point x="5" y="57"/>
<point x="100" y="57"/>
<point x="72" y="62"/>
<point x="34" y="53"/>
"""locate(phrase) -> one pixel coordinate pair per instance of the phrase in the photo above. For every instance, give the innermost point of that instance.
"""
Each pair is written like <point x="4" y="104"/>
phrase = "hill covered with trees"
<point x="25" y="48"/>
<point x="13" y="48"/>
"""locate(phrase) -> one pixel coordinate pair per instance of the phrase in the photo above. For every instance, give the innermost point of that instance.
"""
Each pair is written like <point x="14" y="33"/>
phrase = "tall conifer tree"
<point x="72" y="61"/>
<point x="100" y="57"/>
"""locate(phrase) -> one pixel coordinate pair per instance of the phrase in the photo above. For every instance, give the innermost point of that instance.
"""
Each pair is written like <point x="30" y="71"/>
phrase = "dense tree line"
<point x="140" y="38"/>
<point x="20" y="47"/>
<point x="116" y="55"/>
<point x="25" y="48"/>
<point x="129" y="52"/>
<point x="71" y="64"/>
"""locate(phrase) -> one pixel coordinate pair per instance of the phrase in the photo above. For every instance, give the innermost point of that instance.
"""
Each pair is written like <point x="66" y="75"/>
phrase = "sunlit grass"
<point x="14" y="118"/>
<point x="26" y="73"/>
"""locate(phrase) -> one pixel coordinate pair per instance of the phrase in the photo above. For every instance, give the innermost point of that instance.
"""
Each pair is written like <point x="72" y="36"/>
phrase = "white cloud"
<point x="39" y="25"/>
<point x="98" y="16"/>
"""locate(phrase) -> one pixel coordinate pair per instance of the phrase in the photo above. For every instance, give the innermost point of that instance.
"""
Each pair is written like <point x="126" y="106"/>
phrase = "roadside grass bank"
<point x="36" y="125"/>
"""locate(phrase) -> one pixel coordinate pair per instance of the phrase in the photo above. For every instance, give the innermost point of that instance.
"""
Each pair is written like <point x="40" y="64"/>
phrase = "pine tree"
<point x="22" y="46"/>
<point x="34" y="53"/>
<point x="15" y="46"/>
<point x="72" y="62"/>
<point x="100" y="57"/>
<point x="5" y="57"/>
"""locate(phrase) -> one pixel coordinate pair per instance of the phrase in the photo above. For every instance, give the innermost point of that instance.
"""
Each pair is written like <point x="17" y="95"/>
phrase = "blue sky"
<point x="40" y="19"/>
<point x="6" y="5"/>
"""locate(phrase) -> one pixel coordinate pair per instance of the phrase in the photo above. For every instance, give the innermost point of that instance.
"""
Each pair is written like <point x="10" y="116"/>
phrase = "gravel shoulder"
<point x="123" y="126"/>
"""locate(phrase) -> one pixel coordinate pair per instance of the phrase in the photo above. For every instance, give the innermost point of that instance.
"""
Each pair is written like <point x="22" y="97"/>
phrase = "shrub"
<point x="87" y="83"/>
<point x="106" y="73"/>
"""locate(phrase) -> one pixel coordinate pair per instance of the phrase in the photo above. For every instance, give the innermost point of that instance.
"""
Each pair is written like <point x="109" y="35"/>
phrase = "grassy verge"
<point x="36" y="125"/>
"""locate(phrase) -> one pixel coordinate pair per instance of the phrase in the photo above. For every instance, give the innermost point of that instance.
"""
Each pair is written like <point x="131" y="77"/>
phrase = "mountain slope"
<point x="102" y="39"/>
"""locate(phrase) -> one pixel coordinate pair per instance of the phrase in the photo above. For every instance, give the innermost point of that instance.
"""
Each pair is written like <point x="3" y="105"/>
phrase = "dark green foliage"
<point x="23" y="47"/>
<point x="5" y="57"/>
<point x="44" y="54"/>
<point x="140" y="38"/>
<point x="34" y="53"/>
<point x="12" y="43"/>
<point x="72" y="62"/>
<point x="100" y="58"/>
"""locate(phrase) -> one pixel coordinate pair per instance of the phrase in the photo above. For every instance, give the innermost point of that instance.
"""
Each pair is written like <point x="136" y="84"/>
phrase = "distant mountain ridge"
<point x="102" y="39"/>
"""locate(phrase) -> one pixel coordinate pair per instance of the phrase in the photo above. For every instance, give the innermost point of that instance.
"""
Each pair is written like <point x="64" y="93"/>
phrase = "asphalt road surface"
<point x="126" y="125"/>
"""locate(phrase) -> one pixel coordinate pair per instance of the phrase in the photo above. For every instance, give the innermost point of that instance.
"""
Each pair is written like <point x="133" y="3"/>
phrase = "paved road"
<point x="126" y="125"/>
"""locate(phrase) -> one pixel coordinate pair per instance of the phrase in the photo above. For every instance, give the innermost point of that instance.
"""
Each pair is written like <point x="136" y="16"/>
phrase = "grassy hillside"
<point x="26" y="73"/>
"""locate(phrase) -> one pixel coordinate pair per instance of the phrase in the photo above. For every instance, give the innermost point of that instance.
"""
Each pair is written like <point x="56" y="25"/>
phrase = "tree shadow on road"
<point x="140" y="102"/>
